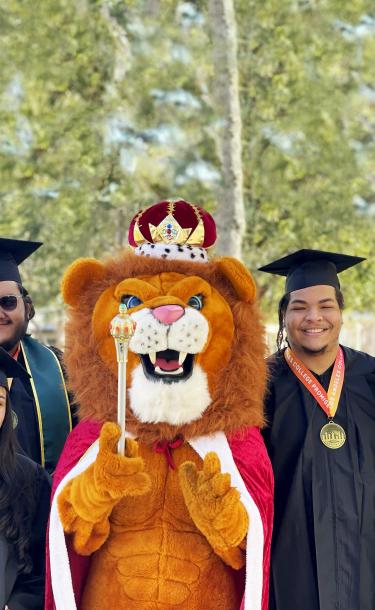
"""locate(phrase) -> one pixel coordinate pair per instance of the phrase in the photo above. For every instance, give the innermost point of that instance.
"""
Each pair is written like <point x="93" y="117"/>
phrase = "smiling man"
<point x="320" y="437"/>
<point x="41" y="412"/>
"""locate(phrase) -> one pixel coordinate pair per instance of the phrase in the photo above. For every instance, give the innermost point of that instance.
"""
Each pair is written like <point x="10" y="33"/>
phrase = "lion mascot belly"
<point x="182" y="520"/>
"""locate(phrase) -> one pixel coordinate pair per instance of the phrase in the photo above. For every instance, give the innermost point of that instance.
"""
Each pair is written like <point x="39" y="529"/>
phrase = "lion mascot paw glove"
<point x="182" y="520"/>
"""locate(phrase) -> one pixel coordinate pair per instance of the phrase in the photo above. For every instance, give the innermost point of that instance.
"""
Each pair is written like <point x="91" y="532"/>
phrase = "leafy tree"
<point x="103" y="110"/>
<point x="56" y="61"/>
<point x="108" y="105"/>
<point x="308" y="140"/>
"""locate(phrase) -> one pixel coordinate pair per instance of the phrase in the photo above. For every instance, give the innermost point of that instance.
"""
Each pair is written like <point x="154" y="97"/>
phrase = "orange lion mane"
<point x="237" y="400"/>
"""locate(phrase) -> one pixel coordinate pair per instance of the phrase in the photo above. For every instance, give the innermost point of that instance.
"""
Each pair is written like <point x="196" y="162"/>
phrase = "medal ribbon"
<point x="328" y="401"/>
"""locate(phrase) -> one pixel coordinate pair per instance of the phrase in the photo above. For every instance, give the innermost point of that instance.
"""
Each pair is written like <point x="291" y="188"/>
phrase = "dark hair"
<point x="14" y="496"/>
<point x="27" y="300"/>
<point x="283" y="304"/>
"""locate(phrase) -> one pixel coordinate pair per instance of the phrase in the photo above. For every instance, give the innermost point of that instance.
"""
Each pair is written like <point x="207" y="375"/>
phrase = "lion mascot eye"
<point x="130" y="300"/>
<point x="196" y="301"/>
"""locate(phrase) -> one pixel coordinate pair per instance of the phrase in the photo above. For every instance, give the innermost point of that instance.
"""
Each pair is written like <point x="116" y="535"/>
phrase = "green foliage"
<point x="105" y="106"/>
<point x="56" y="61"/>
<point x="308" y="136"/>
<point x="165" y="109"/>
<point x="93" y="127"/>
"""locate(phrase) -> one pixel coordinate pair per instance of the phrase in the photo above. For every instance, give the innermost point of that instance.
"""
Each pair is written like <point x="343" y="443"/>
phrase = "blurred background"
<point x="260" y="111"/>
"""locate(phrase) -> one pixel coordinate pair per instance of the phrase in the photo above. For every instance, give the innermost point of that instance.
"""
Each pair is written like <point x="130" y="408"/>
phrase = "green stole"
<point x="51" y="399"/>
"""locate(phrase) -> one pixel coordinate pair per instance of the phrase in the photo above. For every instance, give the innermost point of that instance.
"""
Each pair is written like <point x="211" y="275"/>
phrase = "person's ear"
<point x="27" y="309"/>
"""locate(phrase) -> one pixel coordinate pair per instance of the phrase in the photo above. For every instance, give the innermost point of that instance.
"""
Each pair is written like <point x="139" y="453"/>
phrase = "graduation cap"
<point x="306" y="268"/>
<point x="9" y="367"/>
<point x="12" y="253"/>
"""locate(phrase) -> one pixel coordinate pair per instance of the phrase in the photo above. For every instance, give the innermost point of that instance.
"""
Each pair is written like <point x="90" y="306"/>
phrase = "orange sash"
<point x="328" y="401"/>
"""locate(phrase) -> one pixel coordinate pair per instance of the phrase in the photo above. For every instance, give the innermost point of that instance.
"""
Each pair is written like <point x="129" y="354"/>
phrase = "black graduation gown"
<point x="323" y="549"/>
<point x="27" y="428"/>
<point x="26" y="591"/>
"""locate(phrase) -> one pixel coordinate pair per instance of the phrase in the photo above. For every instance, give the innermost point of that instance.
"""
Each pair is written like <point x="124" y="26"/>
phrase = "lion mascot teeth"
<point x="182" y="520"/>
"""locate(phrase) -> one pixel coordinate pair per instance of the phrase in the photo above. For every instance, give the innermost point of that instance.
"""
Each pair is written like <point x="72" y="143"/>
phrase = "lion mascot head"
<point x="196" y="358"/>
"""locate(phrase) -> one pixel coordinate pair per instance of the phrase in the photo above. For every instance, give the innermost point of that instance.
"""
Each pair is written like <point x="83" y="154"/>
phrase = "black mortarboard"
<point x="9" y="367"/>
<point x="12" y="253"/>
<point x="306" y="268"/>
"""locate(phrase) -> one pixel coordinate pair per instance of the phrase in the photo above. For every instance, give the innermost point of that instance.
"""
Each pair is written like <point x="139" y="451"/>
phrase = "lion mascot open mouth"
<point x="183" y="519"/>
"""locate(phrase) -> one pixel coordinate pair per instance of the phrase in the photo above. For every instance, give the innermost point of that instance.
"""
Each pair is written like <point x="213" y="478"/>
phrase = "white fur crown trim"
<point x="173" y="252"/>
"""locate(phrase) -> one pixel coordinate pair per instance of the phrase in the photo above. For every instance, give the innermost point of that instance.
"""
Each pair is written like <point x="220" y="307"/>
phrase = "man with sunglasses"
<point x="42" y="415"/>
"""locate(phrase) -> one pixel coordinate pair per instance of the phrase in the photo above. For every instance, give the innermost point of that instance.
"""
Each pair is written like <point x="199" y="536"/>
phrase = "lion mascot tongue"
<point x="182" y="520"/>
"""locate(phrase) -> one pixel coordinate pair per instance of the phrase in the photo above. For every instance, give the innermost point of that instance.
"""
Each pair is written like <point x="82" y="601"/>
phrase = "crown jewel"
<point x="169" y="232"/>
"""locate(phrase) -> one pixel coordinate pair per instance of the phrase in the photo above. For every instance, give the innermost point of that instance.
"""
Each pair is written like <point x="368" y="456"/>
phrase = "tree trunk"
<point x="122" y="45"/>
<point x="230" y="215"/>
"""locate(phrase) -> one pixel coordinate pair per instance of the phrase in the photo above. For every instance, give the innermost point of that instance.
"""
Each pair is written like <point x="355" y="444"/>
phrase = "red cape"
<point x="253" y="464"/>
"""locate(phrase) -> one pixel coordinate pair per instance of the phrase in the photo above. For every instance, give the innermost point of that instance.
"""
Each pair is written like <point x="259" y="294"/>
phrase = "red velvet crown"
<point x="173" y="222"/>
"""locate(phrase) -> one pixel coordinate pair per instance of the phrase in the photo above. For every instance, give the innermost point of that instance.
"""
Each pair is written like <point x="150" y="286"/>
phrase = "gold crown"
<point x="169" y="231"/>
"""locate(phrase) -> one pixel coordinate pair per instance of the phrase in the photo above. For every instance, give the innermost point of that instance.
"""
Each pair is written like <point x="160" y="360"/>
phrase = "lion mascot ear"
<point x="78" y="277"/>
<point x="240" y="278"/>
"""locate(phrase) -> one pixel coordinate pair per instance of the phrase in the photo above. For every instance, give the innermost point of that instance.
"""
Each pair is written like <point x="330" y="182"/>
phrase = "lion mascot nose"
<point x="167" y="314"/>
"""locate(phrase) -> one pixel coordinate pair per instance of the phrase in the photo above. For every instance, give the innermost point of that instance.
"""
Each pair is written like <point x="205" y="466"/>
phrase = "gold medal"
<point x="332" y="435"/>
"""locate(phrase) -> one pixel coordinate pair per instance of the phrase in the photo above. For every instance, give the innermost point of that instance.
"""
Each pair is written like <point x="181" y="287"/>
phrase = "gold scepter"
<point x="122" y="329"/>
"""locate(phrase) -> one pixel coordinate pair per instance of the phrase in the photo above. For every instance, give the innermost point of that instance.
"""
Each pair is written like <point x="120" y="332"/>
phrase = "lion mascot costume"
<point x="182" y="519"/>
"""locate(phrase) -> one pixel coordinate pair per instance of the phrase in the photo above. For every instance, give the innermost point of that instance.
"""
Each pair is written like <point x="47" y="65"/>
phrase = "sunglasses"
<point x="9" y="302"/>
